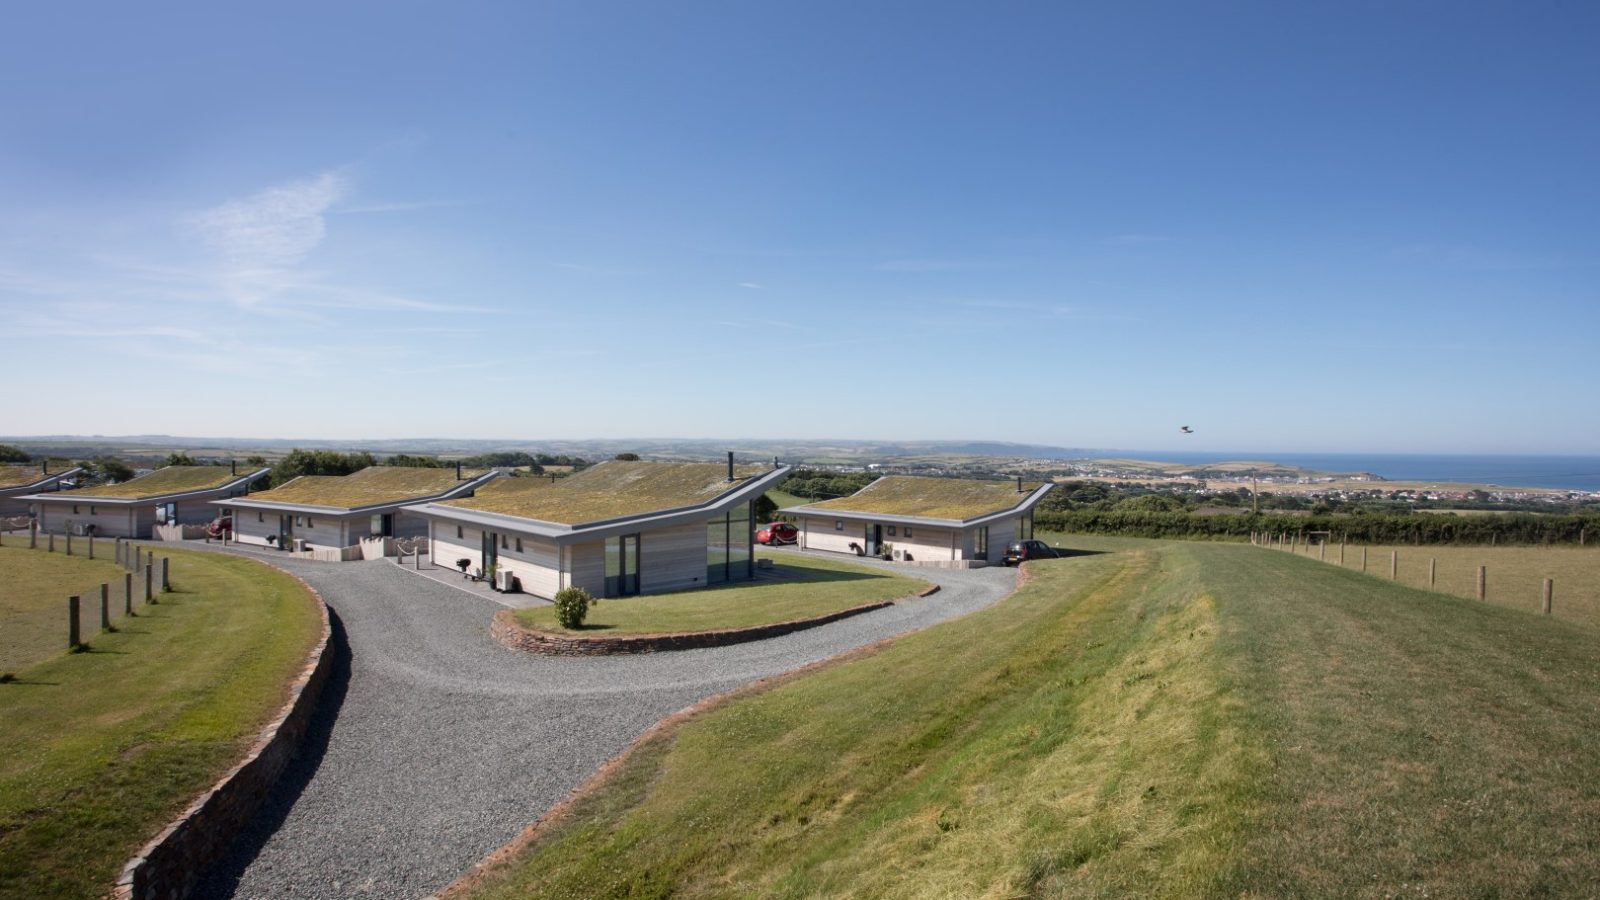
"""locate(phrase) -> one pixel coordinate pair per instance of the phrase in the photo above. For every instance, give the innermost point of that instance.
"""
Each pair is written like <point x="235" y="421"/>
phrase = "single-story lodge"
<point x="175" y="495"/>
<point x="615" y="529"/>
<point x="953" y="522"/>
<point x="16" y="482"/>
<point x="332" y="515"/>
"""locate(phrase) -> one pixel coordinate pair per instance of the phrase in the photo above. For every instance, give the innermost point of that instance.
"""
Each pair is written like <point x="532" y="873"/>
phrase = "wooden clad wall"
<point x="586" y="567"/>
<point x="672" y="559"/>
<point x="820" y="535"/>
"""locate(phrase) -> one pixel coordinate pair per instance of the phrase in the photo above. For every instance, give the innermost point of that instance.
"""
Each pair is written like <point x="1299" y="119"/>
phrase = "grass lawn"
<point x="99" y="750"/>
<point x="1169" y="720"/>
<point x="1515" y="576"/>
<point x="33" y="603"/>
<point x="784" y="499"/>
<point x="810" y="587"/>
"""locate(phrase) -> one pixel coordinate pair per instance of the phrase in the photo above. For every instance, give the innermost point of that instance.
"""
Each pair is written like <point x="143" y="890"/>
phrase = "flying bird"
<point x="1186" y="429"/>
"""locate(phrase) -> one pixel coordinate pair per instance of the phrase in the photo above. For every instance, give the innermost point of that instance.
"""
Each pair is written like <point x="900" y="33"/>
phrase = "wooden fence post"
<point x="127" y="593"/>
<point x="1322" y="552"/>
<point x="33" y="534"/>
<point x="1363" y="558"/>
<point x="105" y="607"/>
<point x="52" y="542"/>
<point x="1292" y="539"/>
<point x="69" y="543"/>
<point x="147" y="593"/>
<point x="91" y="546"/>
<point x="117" y="550"/>
<point x="72" y="623"/>
<point x="1549" y="592"/>
<point x="166" y="579"/>
<point x="1483" y="582"/>
<point x="1433" y="569"/>
<point x="1394" y="565"/>
<point x="1341" y="552"/>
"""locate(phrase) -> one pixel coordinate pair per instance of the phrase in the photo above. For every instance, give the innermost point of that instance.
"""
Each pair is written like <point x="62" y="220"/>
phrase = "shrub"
<point x="572" y="605"/>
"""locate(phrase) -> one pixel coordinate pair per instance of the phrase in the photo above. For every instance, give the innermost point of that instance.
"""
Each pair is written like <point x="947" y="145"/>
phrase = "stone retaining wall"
<point x="172" y="864"/>
<point x="508" y="632"/>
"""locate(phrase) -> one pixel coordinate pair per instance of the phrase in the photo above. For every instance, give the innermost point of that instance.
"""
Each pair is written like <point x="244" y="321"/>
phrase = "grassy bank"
<point x="798" y="587"/>
<point x="1173" y="719"/>
<point x="99" y="750"/>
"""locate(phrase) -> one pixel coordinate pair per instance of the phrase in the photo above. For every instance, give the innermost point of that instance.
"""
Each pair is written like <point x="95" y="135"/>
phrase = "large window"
<point x="730" y="541"/>
<point x="1025" y="527"/>
<point x="980" y="543"/>
<point x="622" y="566"/>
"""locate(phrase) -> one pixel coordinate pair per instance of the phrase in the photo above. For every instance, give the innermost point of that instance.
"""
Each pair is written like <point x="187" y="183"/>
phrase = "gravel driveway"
<point x="434" y="745"/>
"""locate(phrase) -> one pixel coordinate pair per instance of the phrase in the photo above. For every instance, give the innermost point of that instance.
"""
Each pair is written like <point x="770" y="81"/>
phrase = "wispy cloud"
<point x="752" y="285"/>
<point x="402" y="206"/>
<point x="272" y="228"/>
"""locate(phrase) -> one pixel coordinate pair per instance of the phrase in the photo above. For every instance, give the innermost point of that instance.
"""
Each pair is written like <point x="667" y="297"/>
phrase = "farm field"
<point x="1515" y="574"/>
<point x="33" y="604"/>
<point x="812" y="587"/>
<point x="99" y="750"/>
<point x="1165" y="720"/>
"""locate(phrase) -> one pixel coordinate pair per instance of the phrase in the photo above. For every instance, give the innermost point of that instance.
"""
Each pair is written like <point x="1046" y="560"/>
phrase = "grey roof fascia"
<point x="856" y="515"/>
<point x="455" y="491"/>
<point x="604" y="528"/>
<point x="63" y="497"/>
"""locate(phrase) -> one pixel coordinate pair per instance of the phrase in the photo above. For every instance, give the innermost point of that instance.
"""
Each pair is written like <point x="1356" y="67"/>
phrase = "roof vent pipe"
<point x="1019" y="484"/>
<point x="458" y="470"/>
<point x="730" y="465"/>
<point x="44" y="467"/>
<point x="233" y="466"/>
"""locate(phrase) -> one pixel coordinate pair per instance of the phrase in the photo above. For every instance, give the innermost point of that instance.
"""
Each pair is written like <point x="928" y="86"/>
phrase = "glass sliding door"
<point x="980" y="543"/>
<point x="622" y="566"/>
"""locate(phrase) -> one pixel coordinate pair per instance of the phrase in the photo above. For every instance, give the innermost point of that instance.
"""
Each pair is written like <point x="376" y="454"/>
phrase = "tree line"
<point x="1362" y="528"/>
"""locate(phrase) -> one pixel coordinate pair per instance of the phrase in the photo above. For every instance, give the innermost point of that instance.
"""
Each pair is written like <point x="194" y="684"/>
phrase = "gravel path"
<point x="434" y="745"/>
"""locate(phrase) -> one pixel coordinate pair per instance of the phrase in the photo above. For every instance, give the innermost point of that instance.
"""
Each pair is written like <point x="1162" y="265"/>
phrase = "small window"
<point x="838" y="524"/>
<point x="891" y="531"/>
<point x="458" y="531"/>
<point x="91" y="511"/>
<point x="260" y="516"/>
<point x="503" y="543"/>
<point x="519" y="545"/>
<point x="309" y="523"/>
<point x="74" y="509"/>
<point x="299" y="520"/>
<point x="907" y="532"/>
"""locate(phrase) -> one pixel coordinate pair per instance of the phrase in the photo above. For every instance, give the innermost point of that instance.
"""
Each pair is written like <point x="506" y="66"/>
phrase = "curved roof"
<point x="610" y="490"/>
<point x="372" y="486"/>
<point x="923" y="497"/>
<point x="161" y="482"/>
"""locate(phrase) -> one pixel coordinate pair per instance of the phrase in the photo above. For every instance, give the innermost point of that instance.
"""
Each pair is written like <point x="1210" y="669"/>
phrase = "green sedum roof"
<point x="171" y="480"/>
<point x="931" y="498"/>
<point x="609" y="490"/>
<point x="17" y="476"/>
<point x="371" y="486"/>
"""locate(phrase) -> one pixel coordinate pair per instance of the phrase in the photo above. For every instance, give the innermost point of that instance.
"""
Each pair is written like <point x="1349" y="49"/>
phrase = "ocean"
<point x="1578" y="473"/>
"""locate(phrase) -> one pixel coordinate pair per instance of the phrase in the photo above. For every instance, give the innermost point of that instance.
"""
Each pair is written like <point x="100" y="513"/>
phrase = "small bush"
<point x="572" y="605"/>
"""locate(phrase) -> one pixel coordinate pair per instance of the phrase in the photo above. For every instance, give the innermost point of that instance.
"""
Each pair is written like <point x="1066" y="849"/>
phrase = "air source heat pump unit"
<point x="507" y="580"/>
<point x="300" y="545"/>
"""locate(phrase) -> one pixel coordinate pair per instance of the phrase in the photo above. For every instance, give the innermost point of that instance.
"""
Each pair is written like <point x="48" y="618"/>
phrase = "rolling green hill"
<point x="1170" y="719"/>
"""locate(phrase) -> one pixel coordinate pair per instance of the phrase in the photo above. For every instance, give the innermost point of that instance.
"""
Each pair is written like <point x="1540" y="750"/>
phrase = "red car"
<point x="776" y="534"/>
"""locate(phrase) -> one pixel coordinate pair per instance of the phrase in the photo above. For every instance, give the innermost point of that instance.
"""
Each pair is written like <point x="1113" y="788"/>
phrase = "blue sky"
<point x="1365" y="227"/>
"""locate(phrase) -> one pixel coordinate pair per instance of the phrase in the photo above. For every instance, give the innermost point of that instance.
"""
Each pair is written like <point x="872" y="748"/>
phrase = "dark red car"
<point x="776" y="534"/>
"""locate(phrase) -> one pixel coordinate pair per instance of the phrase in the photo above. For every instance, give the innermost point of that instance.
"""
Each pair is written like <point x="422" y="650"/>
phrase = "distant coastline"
<point x="1576" y="473"/>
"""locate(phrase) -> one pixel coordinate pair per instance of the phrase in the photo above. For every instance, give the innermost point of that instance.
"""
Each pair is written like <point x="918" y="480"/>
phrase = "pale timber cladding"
<point x="546" y="556"/>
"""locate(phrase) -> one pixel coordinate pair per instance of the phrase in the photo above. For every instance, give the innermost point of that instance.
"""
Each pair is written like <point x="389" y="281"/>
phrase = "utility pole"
<point x="1255" y="494"/>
